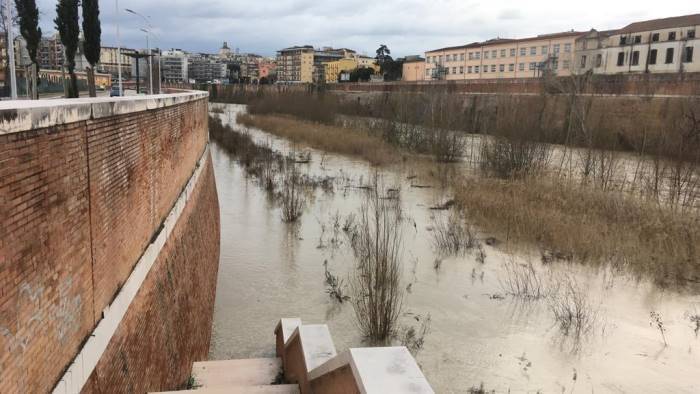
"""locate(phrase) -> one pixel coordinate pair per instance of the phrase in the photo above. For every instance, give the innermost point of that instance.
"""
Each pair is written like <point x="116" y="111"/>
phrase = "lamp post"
<point x="119" y="51"/>
<point x="10" y="49"/>
<point x="148" y="48"/>
<point x="150" y="61"/>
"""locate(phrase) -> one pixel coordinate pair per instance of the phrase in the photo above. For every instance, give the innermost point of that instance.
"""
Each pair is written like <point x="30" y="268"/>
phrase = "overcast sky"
<point x="406" y="26"/>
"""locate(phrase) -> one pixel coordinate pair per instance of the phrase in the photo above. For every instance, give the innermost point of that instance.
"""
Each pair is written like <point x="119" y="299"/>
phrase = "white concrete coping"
<point x="316" y="344"/>
<point x="287" y="325"/>
<point x="22" y="115"/>
<point x="379" y="370"/>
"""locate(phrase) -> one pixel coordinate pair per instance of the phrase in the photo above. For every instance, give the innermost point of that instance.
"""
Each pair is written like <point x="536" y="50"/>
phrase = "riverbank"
<point x="573" y="221"/>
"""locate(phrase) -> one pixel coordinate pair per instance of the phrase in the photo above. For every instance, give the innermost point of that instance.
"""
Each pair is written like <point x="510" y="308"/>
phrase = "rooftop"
<point x="663" y="23"/>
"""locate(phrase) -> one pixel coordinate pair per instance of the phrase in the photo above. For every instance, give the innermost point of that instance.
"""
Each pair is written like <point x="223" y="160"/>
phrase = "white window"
<point x="521" y="66"/>
<point x="486" y="69"/>
<point x="567" y="47"/>
<point x="501" y="67"/>
<point x="503" y="53"/>
<point x="486" y="54"/>
<point x="493" y="68"/>
<point x="545" y="49"/>
<point x="461" y="57"/>
<point x="427" y="73"/>
<point x="461" y="69"/>
<point x="454" y="70"/>
<point x="469" y="69"/>
<point x="476" y="69"/>
<point x="494" y="53"/>
<point x="512" y="52"/>
<point x="533" y="51"/>
<point x="511" y="67"/>
<point x="556" y="48"/>
<point x="477" y="55"/>
<point x="523" y="51"/>
<point x="532" y="66"/>
<point x="471" y="55"/>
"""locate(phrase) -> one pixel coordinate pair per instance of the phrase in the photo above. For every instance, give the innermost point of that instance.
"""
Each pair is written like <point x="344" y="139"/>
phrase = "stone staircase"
<point x="307" y="363"/>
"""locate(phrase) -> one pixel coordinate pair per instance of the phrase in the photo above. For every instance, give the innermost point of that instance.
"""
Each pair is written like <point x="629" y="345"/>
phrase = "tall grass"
<point x="592" y="225"/>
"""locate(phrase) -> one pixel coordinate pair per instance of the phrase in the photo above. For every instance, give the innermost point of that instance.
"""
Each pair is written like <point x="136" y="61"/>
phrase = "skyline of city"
<point x="329" y="24"/>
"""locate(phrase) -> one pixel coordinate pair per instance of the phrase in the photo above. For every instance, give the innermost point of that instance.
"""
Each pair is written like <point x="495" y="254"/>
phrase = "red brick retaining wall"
<point x="84" y="188"/>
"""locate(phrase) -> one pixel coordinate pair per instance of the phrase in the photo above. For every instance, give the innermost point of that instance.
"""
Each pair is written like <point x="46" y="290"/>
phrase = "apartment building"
<point x="504" y="58"/>
<point x="205" y="68"/>
<point x="658" y="45"/>
<point x="109" y="61"/>
<point x="175" y="66"/>
<point x="295" y="64"/>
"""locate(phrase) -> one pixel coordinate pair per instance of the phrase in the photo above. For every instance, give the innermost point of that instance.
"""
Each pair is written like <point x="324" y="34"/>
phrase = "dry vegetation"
<point x="592" y="225"/>
<point x="325" y="137"/>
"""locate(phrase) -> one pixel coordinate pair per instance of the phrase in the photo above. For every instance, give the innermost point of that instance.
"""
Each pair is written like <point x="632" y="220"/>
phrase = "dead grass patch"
<point x="593" y="226"/>
<point x="325" y="137"/>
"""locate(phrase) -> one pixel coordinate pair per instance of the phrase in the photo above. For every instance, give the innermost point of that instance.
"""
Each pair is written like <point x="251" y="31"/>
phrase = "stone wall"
<point x="85" y="189"/>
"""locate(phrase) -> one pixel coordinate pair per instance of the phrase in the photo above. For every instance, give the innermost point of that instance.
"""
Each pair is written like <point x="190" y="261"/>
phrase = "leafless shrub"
<point x="508" y="157"/>
<point x="291" y="195"/>
<point x="377" y="247"/>
<point x="451" y="235"/>
<point x="694" y="319"/>
<point x="573" y="312"/>
<point x="334" y="286"/>
<point x="414" y="338"/>
<point x="522" y="281"/>
<point x="657" y="322"/>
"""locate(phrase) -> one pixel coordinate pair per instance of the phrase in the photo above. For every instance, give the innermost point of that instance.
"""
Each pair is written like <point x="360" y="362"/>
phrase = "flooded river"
<point x="478" y="333"/>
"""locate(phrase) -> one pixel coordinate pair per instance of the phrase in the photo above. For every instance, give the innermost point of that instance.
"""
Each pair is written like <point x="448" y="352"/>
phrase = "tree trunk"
<point x="91" y="81"/>
<point x="73" y="85"/>
<point x="33" y="85"/>
<point x="65" y="82"/>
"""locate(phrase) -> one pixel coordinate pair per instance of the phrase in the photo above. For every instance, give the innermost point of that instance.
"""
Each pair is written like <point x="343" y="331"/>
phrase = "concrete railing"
<point x="309" y="359"/>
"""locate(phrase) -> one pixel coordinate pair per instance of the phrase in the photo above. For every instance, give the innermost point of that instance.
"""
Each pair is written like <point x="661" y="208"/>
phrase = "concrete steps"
<point x="255" y="375"/>
<point x="248" y="372"/>
<point x="266" y="389"/>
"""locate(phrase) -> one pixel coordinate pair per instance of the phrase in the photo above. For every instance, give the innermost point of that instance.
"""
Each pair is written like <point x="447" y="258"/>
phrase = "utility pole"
<point x="11" y="50"/>
<point x="149" y="27"/>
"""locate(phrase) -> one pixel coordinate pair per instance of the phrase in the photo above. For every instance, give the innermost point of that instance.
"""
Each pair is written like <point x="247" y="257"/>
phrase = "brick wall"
<point x="79" y="203"/>
<point x="169" y="324"/>
<point x="623" y="84"/>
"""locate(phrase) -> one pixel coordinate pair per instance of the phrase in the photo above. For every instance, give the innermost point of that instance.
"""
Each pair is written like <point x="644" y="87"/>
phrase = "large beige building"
<point x="658" y="45"/>
<point x="504" y="58"/>
<point x="295" y="64"/>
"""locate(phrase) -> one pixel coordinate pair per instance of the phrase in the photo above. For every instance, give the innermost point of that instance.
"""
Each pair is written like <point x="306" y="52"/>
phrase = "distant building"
<point x="225" y="51"/>
<point x="206" y="68"/>
<point x="175" y="66"/>
<point x="295" y="64"/>
<point x="109" y="64"/>
<point x="413" y="68"/>
<point x="504" y="58"/>
<point x="657" y="45"/>
<point x="333" y="69"/>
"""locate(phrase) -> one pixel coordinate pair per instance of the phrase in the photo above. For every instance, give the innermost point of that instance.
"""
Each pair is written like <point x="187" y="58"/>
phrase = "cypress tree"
<point x="68" y="27"/>
<point x="28" y="14"/>
<point x="92" y="33"/>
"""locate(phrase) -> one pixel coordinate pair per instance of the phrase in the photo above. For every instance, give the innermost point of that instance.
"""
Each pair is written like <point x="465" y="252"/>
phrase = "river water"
<point x="478" y="333"/>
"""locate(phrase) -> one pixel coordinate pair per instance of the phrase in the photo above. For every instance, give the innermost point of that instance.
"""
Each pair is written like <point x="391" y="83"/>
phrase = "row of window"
<point x="655" y="37"/>
<point x="500" y="67"/>
<point x="622" y="57"/>
<point x="493" y="54"/>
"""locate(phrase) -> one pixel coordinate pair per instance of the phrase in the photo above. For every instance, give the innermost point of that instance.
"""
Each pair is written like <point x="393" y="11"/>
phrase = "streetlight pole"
<point x="11" y="49"/>
<point x="150" y="63"/>
<point x="119" y="52"/>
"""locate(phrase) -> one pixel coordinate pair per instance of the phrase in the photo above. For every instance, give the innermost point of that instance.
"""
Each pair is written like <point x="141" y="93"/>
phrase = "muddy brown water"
<point x="479" y="333"/>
